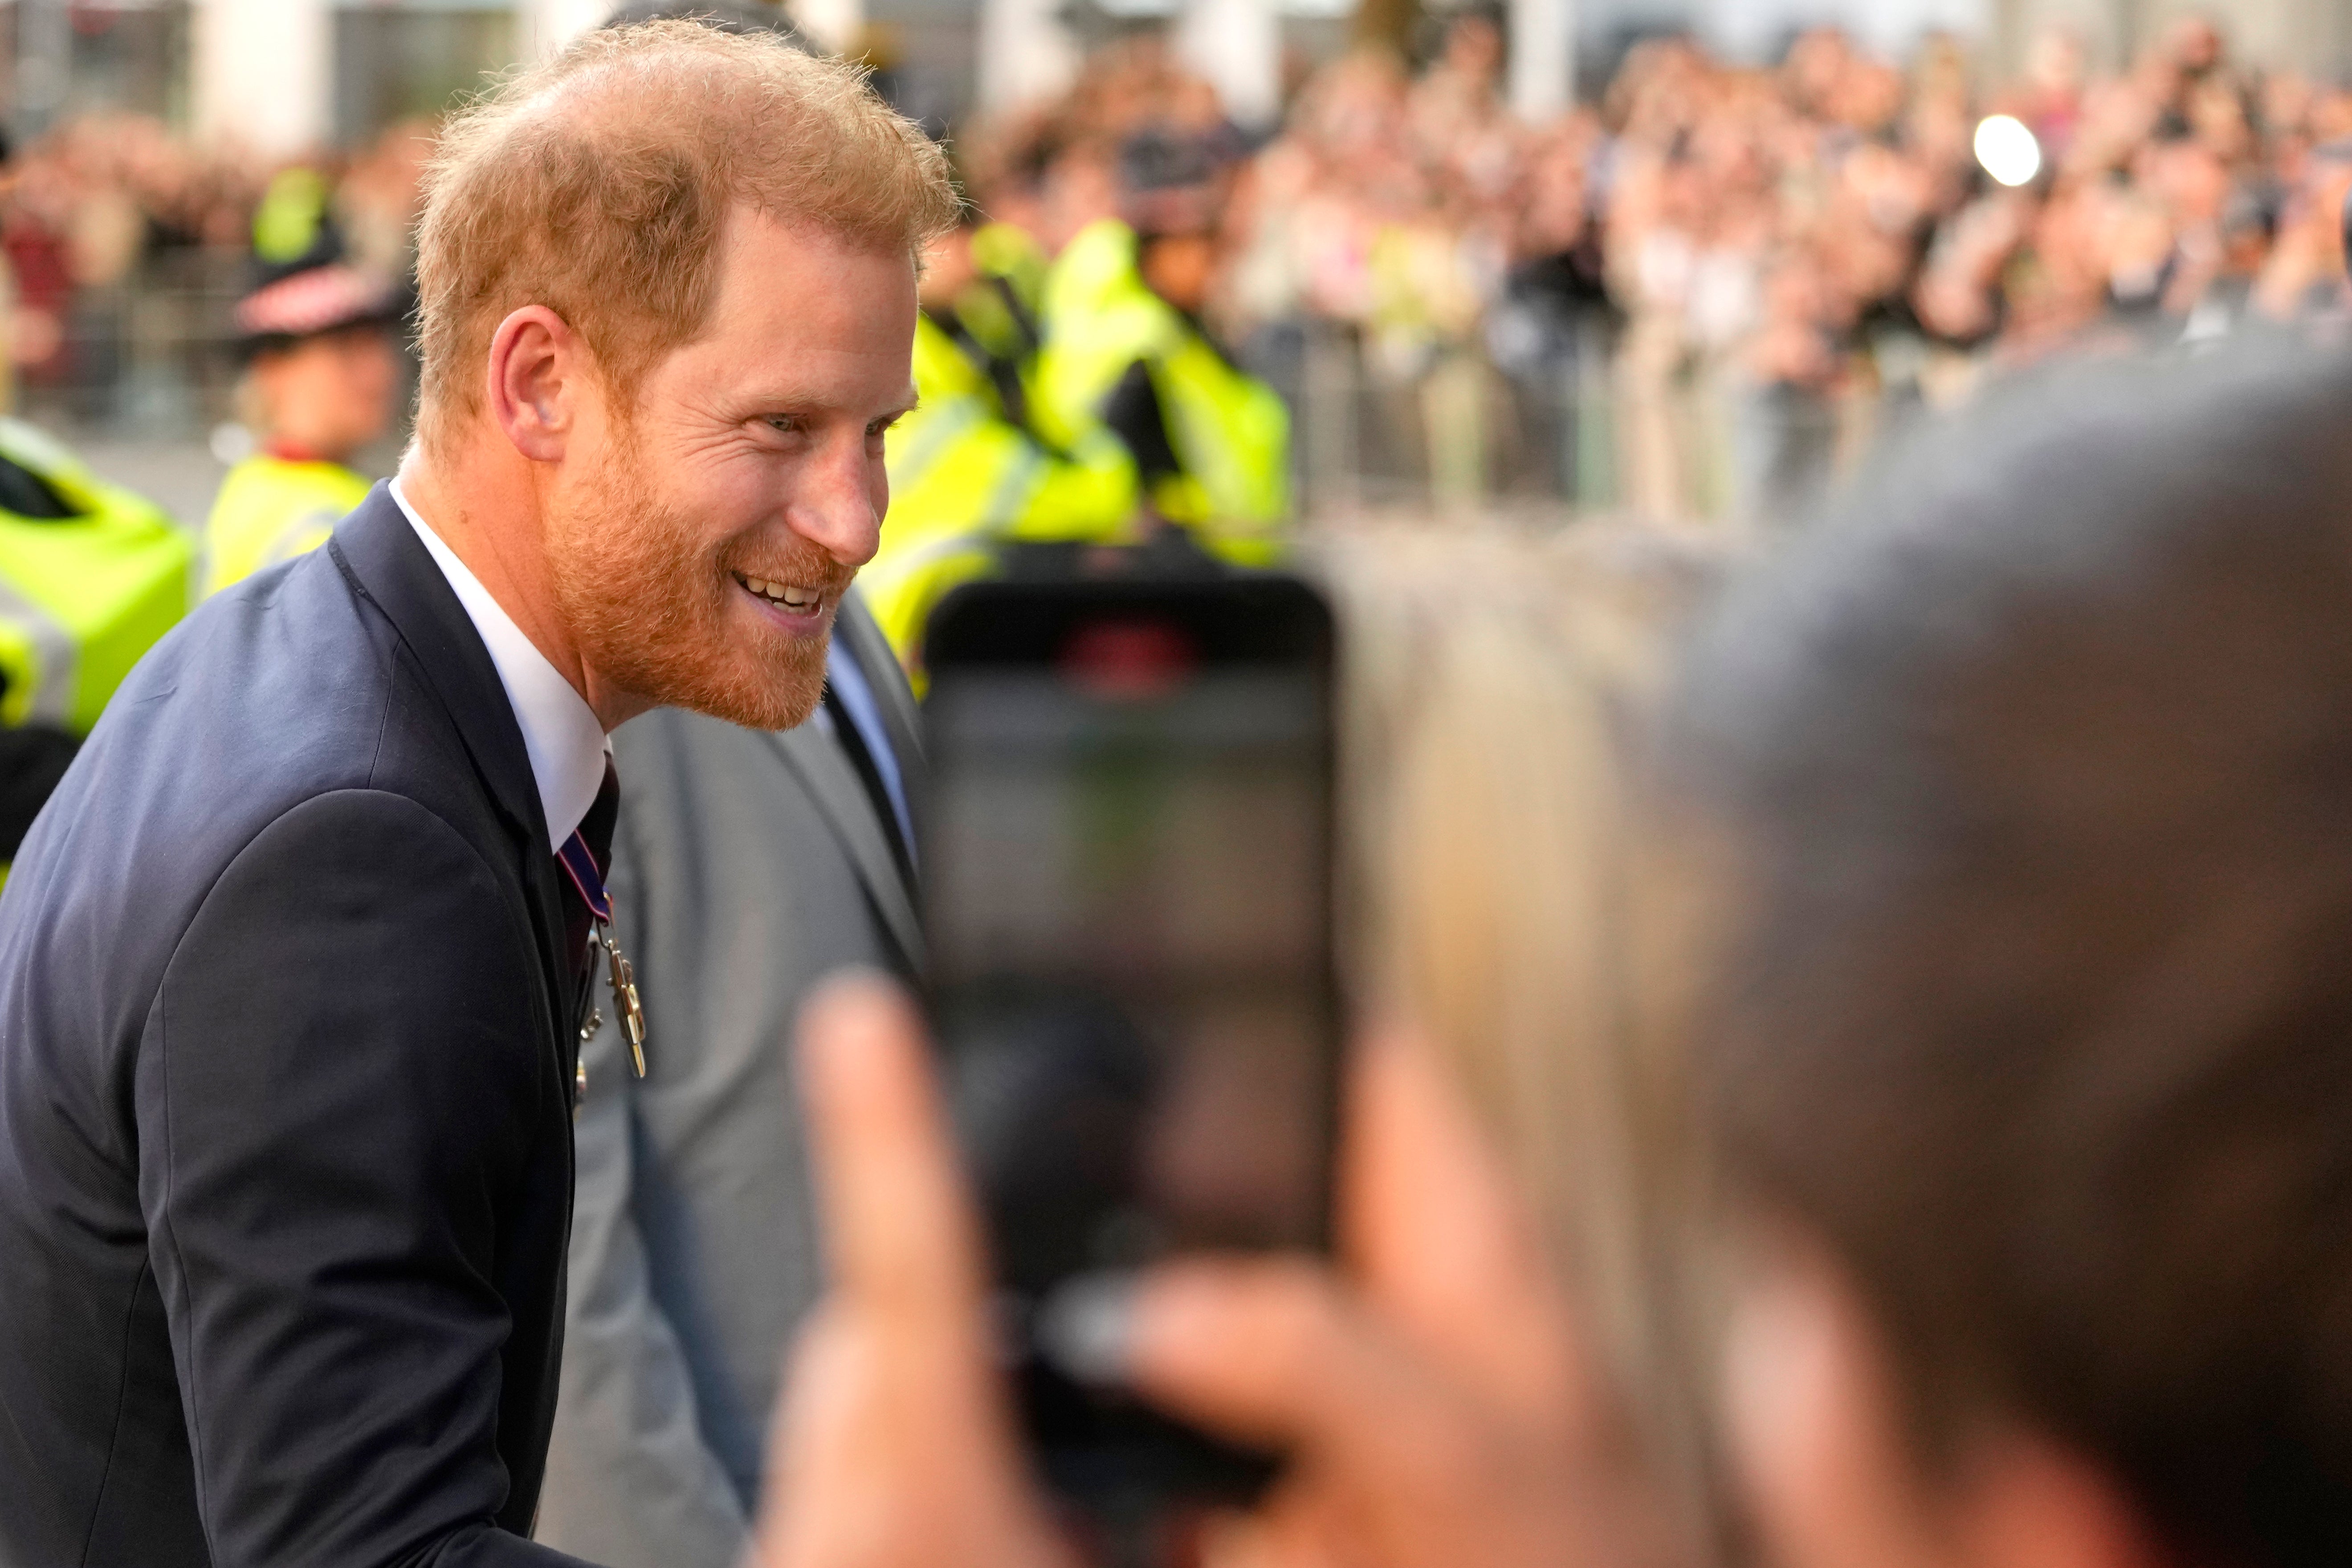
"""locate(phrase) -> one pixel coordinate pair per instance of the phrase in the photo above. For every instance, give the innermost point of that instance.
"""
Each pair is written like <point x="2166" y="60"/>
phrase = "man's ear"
<point x="1817" y="1424"/>
<point x="2026" y="1502"/>
<point x="536" y="372"/>
<point x="1814" y="1415"/>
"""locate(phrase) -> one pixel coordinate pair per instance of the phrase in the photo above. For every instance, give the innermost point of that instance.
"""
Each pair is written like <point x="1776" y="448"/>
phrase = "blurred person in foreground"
<point x="2020" y="1047"/>
<point x="321" y="374"/>
<point x="2028" y="1056"/>
<point x="295" y="966"/>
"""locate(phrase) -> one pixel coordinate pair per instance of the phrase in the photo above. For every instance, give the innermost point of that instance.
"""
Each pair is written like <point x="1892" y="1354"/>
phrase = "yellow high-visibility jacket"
<point x="1229" y="431"/>
<point x="81" y="597"/>
<point x="966" y="481"/>
<point x="87" y="587"/>
<point x="273" y="508"/>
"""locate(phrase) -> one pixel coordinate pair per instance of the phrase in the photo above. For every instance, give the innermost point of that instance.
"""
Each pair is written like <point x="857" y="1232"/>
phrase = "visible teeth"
<point x="784" y="594"/>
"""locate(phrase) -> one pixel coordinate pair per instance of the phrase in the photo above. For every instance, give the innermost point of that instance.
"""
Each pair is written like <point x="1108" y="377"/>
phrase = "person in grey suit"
<point x="747" y="865"/>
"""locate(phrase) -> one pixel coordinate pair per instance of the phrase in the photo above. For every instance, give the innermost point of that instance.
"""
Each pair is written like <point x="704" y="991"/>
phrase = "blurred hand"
<point x="894" y="1443"/>
<point x="1432" y="1404"/>
<point x="1431" y="1401"/>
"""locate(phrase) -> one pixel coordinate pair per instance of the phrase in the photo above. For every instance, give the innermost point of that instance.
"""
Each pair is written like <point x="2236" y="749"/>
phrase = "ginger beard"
<point x="653" y="606"/>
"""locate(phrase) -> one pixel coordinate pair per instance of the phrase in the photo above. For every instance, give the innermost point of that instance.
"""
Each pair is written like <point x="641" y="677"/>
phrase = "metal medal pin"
<point x="580" y="864"/>
<point x="626" y="1002"/>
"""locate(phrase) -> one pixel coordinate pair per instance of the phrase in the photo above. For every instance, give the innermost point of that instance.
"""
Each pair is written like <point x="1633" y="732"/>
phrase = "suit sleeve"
<point x="630" y="1480"/>
<point x="339" y="1094"/>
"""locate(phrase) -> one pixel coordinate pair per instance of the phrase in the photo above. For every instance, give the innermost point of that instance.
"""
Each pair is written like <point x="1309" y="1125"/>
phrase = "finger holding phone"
<point x="895" y="1442"/>
<point x="1417" y="1432"/>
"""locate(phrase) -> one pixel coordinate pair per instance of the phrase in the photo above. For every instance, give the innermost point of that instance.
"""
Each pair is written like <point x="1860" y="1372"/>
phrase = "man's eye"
<point x="783" y="424"/>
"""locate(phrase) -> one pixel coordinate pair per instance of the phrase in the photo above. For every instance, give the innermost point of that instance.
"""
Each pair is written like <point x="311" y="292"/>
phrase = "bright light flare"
<point x="2008" y="150"/>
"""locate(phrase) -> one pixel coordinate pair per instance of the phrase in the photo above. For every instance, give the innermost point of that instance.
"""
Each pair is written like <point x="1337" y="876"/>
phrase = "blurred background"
<point x="1688" y="259"/>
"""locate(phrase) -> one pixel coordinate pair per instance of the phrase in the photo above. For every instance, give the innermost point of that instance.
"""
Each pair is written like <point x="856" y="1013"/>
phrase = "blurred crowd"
<point x="1700" y="297"/>
<point x="1731" y="277"/>
<point x="113" y="211"/>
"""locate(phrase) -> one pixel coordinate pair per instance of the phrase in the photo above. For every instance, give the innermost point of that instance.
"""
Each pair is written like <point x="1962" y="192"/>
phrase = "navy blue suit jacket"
<point x="287" y="1036"/>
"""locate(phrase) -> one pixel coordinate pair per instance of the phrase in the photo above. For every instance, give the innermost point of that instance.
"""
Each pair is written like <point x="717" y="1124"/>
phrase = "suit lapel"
<point x="383" y="557"/>
<point x="817" y="759"/>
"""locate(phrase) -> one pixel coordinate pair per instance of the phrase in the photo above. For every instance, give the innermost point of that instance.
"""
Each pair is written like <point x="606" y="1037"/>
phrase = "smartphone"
<point x="1128" y="870"/>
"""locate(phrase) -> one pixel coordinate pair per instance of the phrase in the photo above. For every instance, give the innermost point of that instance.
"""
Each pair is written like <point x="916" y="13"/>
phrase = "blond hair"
<point x="598" y="185"/>
<point x="1502" y="903"/>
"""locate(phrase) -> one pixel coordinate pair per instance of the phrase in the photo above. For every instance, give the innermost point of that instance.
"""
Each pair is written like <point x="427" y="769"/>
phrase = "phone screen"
<point x="1128" y="875"/>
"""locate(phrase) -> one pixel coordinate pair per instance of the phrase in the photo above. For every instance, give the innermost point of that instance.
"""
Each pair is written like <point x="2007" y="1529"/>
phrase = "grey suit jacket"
<point x="747" y="866"/>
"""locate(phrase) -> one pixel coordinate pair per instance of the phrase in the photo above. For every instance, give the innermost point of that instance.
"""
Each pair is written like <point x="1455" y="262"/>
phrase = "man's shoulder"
<point x="285" y="689"/>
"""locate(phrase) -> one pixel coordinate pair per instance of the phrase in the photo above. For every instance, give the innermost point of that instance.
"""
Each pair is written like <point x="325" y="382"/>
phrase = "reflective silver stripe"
<point x="932" y="439"/>
<point x="53" y="648"/>
<point x="890" y="572"/>
<point x="1011" y="497"/>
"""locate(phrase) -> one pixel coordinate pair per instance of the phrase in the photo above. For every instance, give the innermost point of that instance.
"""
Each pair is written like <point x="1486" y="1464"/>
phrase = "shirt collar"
<point x="560" y="735"/>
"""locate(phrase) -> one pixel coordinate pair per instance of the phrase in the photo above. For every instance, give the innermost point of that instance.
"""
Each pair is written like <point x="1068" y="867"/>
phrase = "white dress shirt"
<point x="560" y="733"/>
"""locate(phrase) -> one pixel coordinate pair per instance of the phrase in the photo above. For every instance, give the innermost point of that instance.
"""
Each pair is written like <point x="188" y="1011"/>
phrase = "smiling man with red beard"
<point x="296" y="967"/>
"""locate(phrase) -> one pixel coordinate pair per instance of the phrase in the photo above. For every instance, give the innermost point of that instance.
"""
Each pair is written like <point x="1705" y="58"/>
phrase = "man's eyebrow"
<point x="802" y="400"/>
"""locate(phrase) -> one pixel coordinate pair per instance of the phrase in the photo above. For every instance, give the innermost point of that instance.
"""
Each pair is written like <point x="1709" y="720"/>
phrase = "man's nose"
<point x="834" y="509"/>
